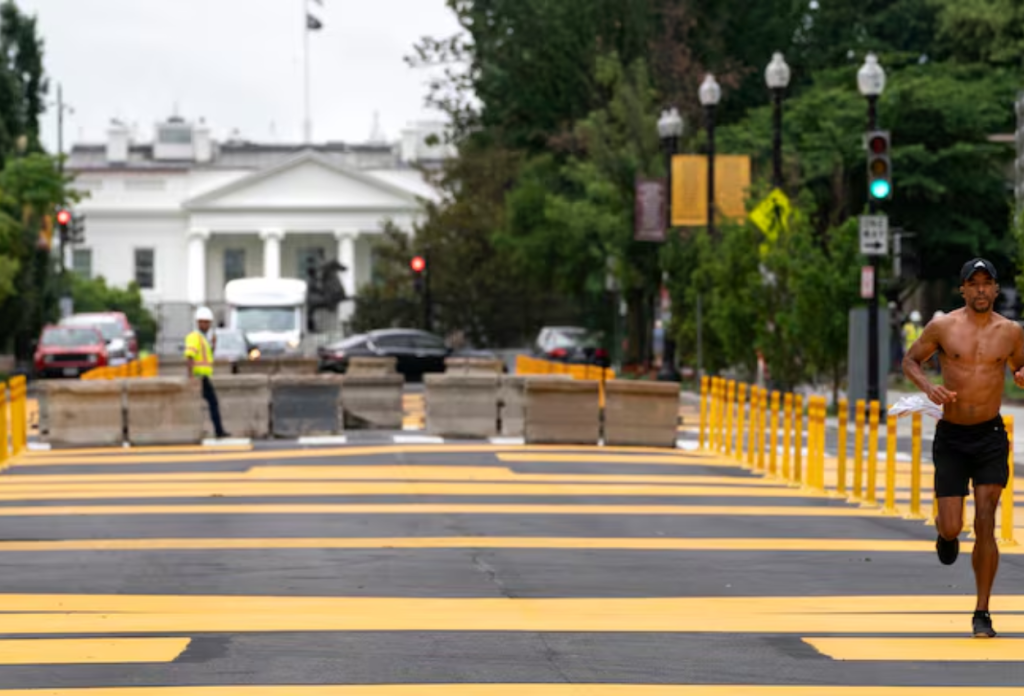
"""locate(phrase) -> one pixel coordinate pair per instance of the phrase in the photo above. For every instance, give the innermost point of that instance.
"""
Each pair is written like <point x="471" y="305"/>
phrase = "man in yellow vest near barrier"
<point x="912" y="331"/>
<point x="199" y="354"/>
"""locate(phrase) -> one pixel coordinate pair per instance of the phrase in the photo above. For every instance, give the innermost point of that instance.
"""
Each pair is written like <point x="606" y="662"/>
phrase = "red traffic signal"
<point x="64" y="217"/>
<point x="417" y="264"/>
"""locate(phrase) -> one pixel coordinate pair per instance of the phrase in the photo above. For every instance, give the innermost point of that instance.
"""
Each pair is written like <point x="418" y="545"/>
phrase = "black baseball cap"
<point x="975" y="265"/>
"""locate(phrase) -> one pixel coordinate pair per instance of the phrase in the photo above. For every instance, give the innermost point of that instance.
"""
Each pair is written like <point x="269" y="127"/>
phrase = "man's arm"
<point x="1017" y="358"/>
<point x="923" y="349"/>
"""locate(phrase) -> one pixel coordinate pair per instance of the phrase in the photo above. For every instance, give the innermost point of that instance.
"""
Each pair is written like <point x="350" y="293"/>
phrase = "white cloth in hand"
<point x="918" y="403"/>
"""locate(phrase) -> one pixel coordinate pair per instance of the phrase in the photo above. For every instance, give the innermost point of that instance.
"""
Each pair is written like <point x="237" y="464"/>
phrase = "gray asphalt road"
<point x="410" y="566"/>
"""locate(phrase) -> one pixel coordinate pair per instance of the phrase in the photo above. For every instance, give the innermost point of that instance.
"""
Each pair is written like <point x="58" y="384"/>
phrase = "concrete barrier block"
<point x="462" y="405"/>
<point x="372" y="366"/>
<point x="164" y="411"/>
<point x="641" y="414"/>
<point x="562" y="411"/>
<point x="256" y="367"/>
<point x="244" y="405"/>
<point x="473" y="366"/>
<point x="306" y="405"/>
<point x="173" y="366"/>
<point x="294" y="365"/>
<point x="512" y="400"/>
<point x="85" y="414"/>
<point x="373" y="401"/>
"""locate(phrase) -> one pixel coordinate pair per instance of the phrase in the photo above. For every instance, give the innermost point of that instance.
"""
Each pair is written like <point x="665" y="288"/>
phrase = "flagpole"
<point x="308" y="123"/>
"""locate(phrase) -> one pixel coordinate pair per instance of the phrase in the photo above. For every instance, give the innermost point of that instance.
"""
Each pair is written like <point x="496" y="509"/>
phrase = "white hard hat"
<point x="915" y="316"/>
<point x="204" y="314"/>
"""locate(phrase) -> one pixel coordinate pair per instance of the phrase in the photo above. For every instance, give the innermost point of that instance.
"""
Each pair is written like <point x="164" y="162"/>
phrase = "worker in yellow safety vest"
<point x="912" y="331"/>
<point x="199" y="354"/>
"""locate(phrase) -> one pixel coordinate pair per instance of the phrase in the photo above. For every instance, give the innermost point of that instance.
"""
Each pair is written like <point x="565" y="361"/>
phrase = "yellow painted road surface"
<point x="474" y="570"/>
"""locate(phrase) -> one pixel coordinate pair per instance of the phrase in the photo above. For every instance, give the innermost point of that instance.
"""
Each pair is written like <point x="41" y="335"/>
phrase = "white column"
<point x="197" y="266"/>
<point x="271" y="252"/>
<point x="347" y="258"/>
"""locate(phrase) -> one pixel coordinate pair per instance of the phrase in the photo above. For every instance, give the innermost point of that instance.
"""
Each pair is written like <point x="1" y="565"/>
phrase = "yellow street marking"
<point x="581" y="543"/>
<point x="601" y="457"/>
<point x="653" y="455"/>
<point x="278" y="489"/>
<point x="662" y="610"/>
<point x="525" y="690"/>
<point x="920" y="649"/>
<point x="131" y="451"/>
<point x="378" y="473"/>
<point x="68" y="651"/>
<point x="430" y="509"/>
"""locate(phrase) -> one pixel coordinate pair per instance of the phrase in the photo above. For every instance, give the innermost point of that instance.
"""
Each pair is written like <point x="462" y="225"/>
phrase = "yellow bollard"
<point x="915" y="467"/>
<point x="714" y="414"/>
<point x="798" y="436"/>
<point x="872" y="463"/>
<point x="741" y="402"/>
<point x="773" y="435"/>
<point x="19" y="419"/>
<point x="812" y="441"/>
<point x="752" y="428"/>
<point x="857" y="490"/>
<point x="1006" y="528"/>
<point x="820" y="410"/>
<point x="5" y="447"/>
<point x="762" y="409"/>
<point x="890" y="466"/>
<point x="844" y="408"/>
<point x="787" y="419"/>
<point x="703" y="412"/>
<point x="730" y="399"/>
<point x="723" y="429"/>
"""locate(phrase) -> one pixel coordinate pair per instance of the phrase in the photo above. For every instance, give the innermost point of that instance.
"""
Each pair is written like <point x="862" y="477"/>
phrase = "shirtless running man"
<point x="975" y="345"/>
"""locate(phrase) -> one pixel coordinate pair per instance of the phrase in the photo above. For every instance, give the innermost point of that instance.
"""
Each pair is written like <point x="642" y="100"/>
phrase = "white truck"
<point x="271" y="312"/>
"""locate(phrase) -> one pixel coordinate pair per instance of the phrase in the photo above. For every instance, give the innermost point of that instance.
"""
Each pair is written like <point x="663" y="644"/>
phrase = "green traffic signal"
<point x="880" y="189"/>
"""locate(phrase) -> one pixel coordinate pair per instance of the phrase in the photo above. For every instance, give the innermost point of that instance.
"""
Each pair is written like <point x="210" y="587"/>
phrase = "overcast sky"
<point x="237" y="63"/>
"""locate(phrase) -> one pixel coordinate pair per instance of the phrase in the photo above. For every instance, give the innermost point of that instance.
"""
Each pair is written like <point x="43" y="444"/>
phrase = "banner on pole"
<point x="690" y="188"/>
<point x="651" y="210"/>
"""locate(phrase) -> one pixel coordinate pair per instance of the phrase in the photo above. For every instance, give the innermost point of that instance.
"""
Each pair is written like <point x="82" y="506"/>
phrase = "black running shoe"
<point x="948" y="550"/>
<point x="983" y="625"/>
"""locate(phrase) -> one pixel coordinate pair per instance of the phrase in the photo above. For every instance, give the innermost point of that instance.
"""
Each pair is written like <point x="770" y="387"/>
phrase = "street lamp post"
<point x="710" y="93"/>
<point x="670" y="129"/>
<point x="776" y="75"/>
<point x="871" y="82"/>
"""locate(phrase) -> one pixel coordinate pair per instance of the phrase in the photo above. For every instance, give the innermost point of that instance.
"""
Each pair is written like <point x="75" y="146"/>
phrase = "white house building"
<point x="184" y="214"/>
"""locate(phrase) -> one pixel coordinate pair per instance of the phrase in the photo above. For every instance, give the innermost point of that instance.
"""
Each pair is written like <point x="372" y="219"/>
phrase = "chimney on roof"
<point x="117" y="142"/>
<point x="203" y="143"/>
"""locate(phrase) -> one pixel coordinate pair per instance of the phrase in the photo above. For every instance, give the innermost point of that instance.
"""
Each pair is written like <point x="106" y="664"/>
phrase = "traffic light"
<point x="63" y="220"/>
<point x="879" y="166"/>
<point x="77" y="235"/>
<point x="418" y="266"/>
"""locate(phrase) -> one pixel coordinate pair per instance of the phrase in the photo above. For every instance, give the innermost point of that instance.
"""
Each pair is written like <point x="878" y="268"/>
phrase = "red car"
<point x="68" y="351"/>
<point x="119" y="318"/>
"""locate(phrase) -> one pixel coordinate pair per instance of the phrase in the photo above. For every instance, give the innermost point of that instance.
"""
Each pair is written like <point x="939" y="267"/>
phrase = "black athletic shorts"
<point x="962" y="453"/>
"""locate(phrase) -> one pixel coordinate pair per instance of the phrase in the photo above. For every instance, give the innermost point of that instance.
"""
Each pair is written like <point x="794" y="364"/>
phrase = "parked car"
<point x="112" y="330"/>
<point x="572" y="344"/>
<point x="121" y="319"/>
<point x="68" y="351"/>
<point x="416" y="352"/>
<point x="233" y="346"/>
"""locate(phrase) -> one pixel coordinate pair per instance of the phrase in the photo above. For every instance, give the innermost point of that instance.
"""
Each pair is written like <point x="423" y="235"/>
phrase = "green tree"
<point x="982" y="31"/>
<point x="23" y="84"/>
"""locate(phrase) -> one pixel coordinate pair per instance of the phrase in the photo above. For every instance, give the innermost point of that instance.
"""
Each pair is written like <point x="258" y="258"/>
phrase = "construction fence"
<point x="146" y="367"/>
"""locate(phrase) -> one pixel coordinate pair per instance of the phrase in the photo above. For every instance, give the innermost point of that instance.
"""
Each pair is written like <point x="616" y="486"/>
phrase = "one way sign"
<point x="874" y="235"/>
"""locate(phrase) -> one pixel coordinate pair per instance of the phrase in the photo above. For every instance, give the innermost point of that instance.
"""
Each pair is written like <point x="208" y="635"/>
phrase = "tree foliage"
<point x="23" y="83"/>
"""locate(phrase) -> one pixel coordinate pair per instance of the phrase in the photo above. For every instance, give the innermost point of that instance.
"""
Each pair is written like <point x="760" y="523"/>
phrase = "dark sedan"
<point x="415" y="352"/>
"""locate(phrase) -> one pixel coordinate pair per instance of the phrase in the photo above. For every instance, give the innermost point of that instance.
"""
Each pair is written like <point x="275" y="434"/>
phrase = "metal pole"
<point x="873" y="387"/>
<point x="709" y="114"/>
<point x="668" y="371"/>
<point x="777" y="139"/>
<point x="307" y="123"/>
<point x="60" y="170"/>
<point x="428" y="313"/>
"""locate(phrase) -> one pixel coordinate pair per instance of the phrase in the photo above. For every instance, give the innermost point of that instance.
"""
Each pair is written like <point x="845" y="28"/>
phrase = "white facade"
<point x="183" y="214"/>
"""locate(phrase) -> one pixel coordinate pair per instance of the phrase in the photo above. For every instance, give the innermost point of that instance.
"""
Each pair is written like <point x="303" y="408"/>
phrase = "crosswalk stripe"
<point x="579" y="543"/>
<point x="920" y="649"/>
<point x="66" y="651"/>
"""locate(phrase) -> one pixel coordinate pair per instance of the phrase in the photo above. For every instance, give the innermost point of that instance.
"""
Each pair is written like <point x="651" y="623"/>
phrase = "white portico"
<point x="282" y="221"/>
<point x="184" y="215"/>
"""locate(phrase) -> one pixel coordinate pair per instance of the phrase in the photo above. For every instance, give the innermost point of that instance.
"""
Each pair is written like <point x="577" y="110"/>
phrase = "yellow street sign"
<point x="772" y="217"/>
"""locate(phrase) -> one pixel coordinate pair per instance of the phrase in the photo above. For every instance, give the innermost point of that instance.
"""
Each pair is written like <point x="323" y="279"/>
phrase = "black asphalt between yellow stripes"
<point x="462" y="565"/>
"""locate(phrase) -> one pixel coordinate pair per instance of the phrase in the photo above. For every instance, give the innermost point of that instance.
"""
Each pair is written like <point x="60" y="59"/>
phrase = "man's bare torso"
<point x="973" y="359"/>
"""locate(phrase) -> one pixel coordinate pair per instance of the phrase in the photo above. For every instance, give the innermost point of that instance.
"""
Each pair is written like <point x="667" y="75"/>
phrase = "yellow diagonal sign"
<point x="772" y="216"/>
